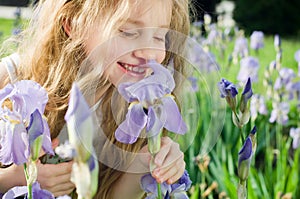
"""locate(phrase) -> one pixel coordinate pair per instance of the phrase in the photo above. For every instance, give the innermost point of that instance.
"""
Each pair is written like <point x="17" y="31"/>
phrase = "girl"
<point x="99" y="43"/>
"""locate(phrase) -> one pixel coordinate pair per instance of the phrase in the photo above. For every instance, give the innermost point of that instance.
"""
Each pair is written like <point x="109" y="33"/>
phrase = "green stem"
<point x="29" y="191"/>
<point x="29" y="186"/>
<point x="278" y="151"/>
<point x="159" y="191"/>
<point x="239" y="126"/>
<point x="236" y="116"/>
<point x="242" y="190"/>
<point x="25" y="171"/>
<point x="242" y="135"/>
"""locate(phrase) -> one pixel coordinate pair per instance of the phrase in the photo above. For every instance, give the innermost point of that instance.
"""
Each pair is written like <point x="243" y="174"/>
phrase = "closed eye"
<point x="129" y="34"/>
<point x="160" y="39"/>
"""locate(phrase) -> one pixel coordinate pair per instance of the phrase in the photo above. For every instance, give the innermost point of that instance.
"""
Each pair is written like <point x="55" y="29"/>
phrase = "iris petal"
<point x="31" y="90"/>
<point x="80" y="124"/>
<point x="20" y="144"/>
<point x="174" y="121"/>
<point x="6" y="143"/>
<point x="246" y="151"/>
<point x="47" y="144"/>
<point x="15" y="192"/>
<point x="39" y="193"/>
<point x="6" y="92"/>
<point x="35" y="128"/>
<point x="129" y="130"/>
<point x="156" y="121"/>
<point x="150" y="88"/>
<point x="77" y="105"/>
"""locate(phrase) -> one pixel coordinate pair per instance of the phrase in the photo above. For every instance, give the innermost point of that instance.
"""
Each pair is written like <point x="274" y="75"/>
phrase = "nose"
<point x="145" y="53"/>
<point x="150" y="54"/>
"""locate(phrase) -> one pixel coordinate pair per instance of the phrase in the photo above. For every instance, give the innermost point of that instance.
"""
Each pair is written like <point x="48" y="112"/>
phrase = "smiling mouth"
<point x="133" y="69"/>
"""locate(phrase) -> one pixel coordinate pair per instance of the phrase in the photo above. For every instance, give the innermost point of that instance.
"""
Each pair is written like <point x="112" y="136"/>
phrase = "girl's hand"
<point x="56" y="178"/>
<point x="169" y="162"/>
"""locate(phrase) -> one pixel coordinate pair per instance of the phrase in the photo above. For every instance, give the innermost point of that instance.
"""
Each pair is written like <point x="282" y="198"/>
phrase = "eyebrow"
<point x="137" y="22"/>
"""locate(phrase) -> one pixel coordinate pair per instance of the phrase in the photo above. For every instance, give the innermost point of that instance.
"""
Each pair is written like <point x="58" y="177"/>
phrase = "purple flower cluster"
<point x="37" y="192"/>
<point x="295" y="134"/>
<point x="241" y="47"/>
<point x="176" y="190"/>
<point x="21" y="108"/>
<point x="249" y="67"/>
<point x="257" y="40"/>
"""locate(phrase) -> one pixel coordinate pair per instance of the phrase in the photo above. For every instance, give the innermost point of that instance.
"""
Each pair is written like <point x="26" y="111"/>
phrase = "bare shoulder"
<point x="3" y="74"/>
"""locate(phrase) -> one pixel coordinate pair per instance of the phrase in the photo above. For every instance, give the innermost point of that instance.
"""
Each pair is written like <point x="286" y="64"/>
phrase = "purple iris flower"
<point x="176" y="190"/>
<point x="213" y="36"/>
<point x="246" y="95"/>
<point x="249" y="67"/>
<point x="241" y="47"/>
<point x="257" y="40"/>
<point x="295" y="134"/>
<point x="227" y="88"/>
<point x="295" y="92"/>
<point x="152" y="106"/>
<point x="258" y="105"/>
<point x="245" y="156"/>
<point x="280" y="113"/>
<point x="285" y="78"/>
<point x="81" y="131"/>
<point x="297" y="56"/>
<point x="228" y="91"/>
<point x="37" y="192"/>
<point x="21" y="107"/>
<point x="204" y="61"/>
<point x="194" y="83"/>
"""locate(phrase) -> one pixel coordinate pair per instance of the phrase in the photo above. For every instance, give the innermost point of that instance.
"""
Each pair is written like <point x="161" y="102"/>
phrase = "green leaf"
<point x="195" y="194"/>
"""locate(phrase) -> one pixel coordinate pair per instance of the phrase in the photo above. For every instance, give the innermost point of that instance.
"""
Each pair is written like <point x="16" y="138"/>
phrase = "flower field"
<point x="213" y="159"/>
<point x="216" y="145"/>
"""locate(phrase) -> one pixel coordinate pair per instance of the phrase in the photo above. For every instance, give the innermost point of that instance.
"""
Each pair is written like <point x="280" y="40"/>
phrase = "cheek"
<point x="161" y="56"/>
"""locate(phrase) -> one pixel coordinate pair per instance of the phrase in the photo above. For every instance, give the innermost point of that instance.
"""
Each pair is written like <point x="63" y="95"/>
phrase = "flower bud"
<point x="246" y="95"/>
<point x="245" y="156"/>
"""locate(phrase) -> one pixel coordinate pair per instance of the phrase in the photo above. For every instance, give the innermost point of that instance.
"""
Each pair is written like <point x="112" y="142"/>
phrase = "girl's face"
<point x="140" y="39"/>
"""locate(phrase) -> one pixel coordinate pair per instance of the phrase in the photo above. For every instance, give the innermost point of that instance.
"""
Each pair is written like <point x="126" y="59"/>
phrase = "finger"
<point x="166" y="144"/>
<point x="66" y="178"/>
<point x="68" y="189"/>
<point x="172" y="169"/>
<point x="63" y="187"/>
<point x="55" y="169"/>
<point x="63" y="193"/>
<point x="170" y="176"/>
<point x="174" y="155"/>
<point x="58" y="184"/>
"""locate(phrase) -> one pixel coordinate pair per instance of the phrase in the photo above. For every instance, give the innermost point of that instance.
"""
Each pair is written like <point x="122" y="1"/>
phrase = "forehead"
<point x="156" y="11"/>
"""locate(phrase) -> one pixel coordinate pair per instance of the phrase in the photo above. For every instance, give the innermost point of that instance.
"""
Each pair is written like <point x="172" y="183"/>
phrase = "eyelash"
<point x="160" y="39"/>
<point x="133" y="35"/>
<point x="129" y="34"/>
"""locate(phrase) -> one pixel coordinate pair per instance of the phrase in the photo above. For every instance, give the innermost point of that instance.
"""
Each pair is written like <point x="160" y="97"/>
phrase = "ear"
<point x="67" y="27"/>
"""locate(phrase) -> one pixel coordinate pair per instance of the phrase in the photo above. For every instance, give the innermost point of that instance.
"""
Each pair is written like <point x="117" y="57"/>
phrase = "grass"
<point x="6" y="27"/>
